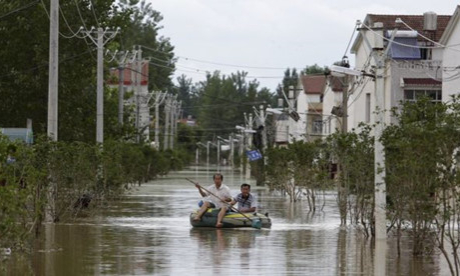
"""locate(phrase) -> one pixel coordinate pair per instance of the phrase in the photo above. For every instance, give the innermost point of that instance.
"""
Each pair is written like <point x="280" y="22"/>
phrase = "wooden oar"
<point x="256" y="223"/>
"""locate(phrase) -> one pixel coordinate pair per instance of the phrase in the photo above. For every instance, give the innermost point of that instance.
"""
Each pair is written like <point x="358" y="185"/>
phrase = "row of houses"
<point x="422" y="57"/>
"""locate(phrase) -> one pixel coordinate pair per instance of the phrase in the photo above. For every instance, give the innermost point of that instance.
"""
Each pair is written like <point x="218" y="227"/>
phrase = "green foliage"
<point x="422" y="179"/>
<point x="354" y="154"/>
<point x="314" y="70"/>
<point x="142" y="29"/>
<point x="298" y="169"/>
<point x="291" y="78"/>
<point x="220" y="101"/>
<point x="54" y="176"/>
<point x="24" y="55"/>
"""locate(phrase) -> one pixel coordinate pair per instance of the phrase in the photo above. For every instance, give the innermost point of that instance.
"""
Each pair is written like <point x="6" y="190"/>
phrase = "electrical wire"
<point x="65" y="20"/>
<point x="221" y="64"/>
<point x="20" y="9"/>
<point x="62" y="60"/>
<point x="401" y="44"/>
<point x="79" y="14"/>
<point x="412" y="29"/>
<point x="94" y="12"/>
<point x="349" y="42"/>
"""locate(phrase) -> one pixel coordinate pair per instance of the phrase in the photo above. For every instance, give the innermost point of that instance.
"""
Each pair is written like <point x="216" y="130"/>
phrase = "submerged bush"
<point x="55" y="180"/>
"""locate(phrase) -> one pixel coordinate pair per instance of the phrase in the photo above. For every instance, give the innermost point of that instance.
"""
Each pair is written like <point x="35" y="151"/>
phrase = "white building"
<point x="310" y="105"/>
<point x="413" y="66"/>
<point x="451" y="57"/>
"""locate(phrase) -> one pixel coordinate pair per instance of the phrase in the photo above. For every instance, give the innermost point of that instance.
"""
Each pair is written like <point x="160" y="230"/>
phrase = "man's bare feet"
<point x="219" y="225"/>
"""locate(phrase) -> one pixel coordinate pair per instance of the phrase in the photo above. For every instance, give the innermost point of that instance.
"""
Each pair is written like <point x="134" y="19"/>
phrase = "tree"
<point x="142" y="29"/>
<point x="314" y="69"/>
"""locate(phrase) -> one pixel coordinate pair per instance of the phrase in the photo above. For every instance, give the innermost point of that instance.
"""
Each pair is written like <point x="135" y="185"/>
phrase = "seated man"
<point x="246" y="201"/>
<point x="220" y="195"/>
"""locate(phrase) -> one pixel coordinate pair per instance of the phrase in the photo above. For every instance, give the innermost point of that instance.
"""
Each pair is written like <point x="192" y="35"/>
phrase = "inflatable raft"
<point x="231" y="219"/>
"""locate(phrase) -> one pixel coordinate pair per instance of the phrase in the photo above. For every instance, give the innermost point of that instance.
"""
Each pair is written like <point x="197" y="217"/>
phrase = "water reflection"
<point x="148" y="233"/>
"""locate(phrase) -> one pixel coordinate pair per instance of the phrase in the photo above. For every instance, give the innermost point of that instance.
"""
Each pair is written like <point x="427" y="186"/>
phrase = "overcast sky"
<point x="211" y="35"/>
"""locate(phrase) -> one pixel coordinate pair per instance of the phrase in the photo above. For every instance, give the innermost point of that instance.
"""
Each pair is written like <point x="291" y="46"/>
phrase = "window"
<point x="368" y="107"/>
<point x="412" y="95"/>
<point x="317" y="126"/>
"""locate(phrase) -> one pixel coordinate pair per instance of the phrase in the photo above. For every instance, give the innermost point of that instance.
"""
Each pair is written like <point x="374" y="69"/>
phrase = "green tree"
<point x="314" y="69"/>
<point x="142" y="29"/>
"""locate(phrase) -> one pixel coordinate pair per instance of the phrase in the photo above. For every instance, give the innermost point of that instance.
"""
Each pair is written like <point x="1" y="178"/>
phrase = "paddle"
<point x="256" y="223"/>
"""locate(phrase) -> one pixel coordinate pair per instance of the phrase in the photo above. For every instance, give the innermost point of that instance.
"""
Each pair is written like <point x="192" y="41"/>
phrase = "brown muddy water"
<point x="148" y="233"/>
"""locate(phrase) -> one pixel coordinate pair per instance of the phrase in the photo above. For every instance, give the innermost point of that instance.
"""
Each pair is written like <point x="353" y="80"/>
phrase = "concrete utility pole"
<point x="232" y="150"/>
<point x="171" y="123"/>
<point x="168" y="104"/>
<point x="218" y="153"/>
<point x="175" y="111"/>
<point x="159" y="98"/>
<point x="52" y="129"/>
<point x="207" y="153"/>
<point x="249" y="145"/>
<point x="138" y="79"/>
<point x="262" y="117"/>
<point x="100" y="87"/>
<point x="121" y="86"/>
<point x="345" y="86"/>
<point x="99" y="41"/>
<point x="379" y="56"/>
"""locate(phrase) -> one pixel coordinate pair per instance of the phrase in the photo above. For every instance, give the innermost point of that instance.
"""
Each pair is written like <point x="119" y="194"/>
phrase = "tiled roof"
<point x="313" y="84"/>
<point x="425" y="81"/>
<point x="414" y="21"/>
<point x="336" y="84"/>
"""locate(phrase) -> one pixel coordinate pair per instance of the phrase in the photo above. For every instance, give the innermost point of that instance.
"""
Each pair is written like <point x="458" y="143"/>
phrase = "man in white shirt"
<point x="223" y="194"/>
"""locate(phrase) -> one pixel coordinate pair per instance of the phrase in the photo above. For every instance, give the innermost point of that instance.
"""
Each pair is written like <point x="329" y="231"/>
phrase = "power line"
<point x="349" y="42"/>
<point x="408" y="45"/>
<point x="62" y="60"/>
<point x="20" y="9"/>
<point x="74" y="34"/>
<point x="79" y="14"/>
<point x="222" y="64"/>
<point x="94" y="12"/>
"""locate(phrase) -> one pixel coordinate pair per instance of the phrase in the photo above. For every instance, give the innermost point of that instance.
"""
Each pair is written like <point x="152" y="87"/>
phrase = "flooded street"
<point x="148" y="233"/>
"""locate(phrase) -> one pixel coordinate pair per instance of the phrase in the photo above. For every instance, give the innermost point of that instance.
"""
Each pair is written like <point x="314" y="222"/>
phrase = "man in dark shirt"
<point x="246" y="201"/>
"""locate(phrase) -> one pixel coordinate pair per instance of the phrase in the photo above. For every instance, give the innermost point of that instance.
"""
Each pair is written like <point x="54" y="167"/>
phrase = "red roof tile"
<point x="426" y="81"/>
<point x="414" y="21"/>
<point x="336" y="84"/>
<point x="313" y="84"/>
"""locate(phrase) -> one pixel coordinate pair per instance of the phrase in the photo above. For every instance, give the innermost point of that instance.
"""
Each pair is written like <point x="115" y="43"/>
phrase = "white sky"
<point x="270" y="33"/>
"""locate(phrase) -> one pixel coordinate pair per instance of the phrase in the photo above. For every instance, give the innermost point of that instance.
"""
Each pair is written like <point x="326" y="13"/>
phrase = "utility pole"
<point x="232" y="150"/>
<point x="100" y="87"/>
<point x="167" y="113"/>
<point x="379" y="56"/>
<point x="249" y="145"/>
<point x="99" y="41"/>
<point x="171" y="129"/>
<point x="345" y="85"/>
<point x="175" y="110"/>
<point x="218" y="153"/>
<point x="52" y="129"/>
<point x="159" y="98"/>
<point x="207" y="153"/>
<point x="121" y="87"/>
<point x="262" y="117"/>
<point x="138" y="92"/>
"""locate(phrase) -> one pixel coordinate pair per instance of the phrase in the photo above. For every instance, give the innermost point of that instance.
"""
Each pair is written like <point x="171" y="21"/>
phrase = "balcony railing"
<point x="419" y="64"/>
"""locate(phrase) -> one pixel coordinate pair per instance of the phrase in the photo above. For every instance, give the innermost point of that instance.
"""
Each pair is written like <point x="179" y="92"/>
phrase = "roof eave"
<point x="450" y="26"/>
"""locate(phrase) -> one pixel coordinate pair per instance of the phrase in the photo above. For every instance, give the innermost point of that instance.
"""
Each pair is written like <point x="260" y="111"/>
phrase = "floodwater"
<point x="148" y="233"/>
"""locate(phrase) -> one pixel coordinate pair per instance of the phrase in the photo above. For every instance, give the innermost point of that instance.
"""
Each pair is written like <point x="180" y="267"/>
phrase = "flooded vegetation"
<point x="147" y="232"/>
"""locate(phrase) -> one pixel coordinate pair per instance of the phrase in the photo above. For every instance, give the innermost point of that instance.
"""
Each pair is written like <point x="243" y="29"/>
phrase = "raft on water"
<point x="231" y="219"/>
